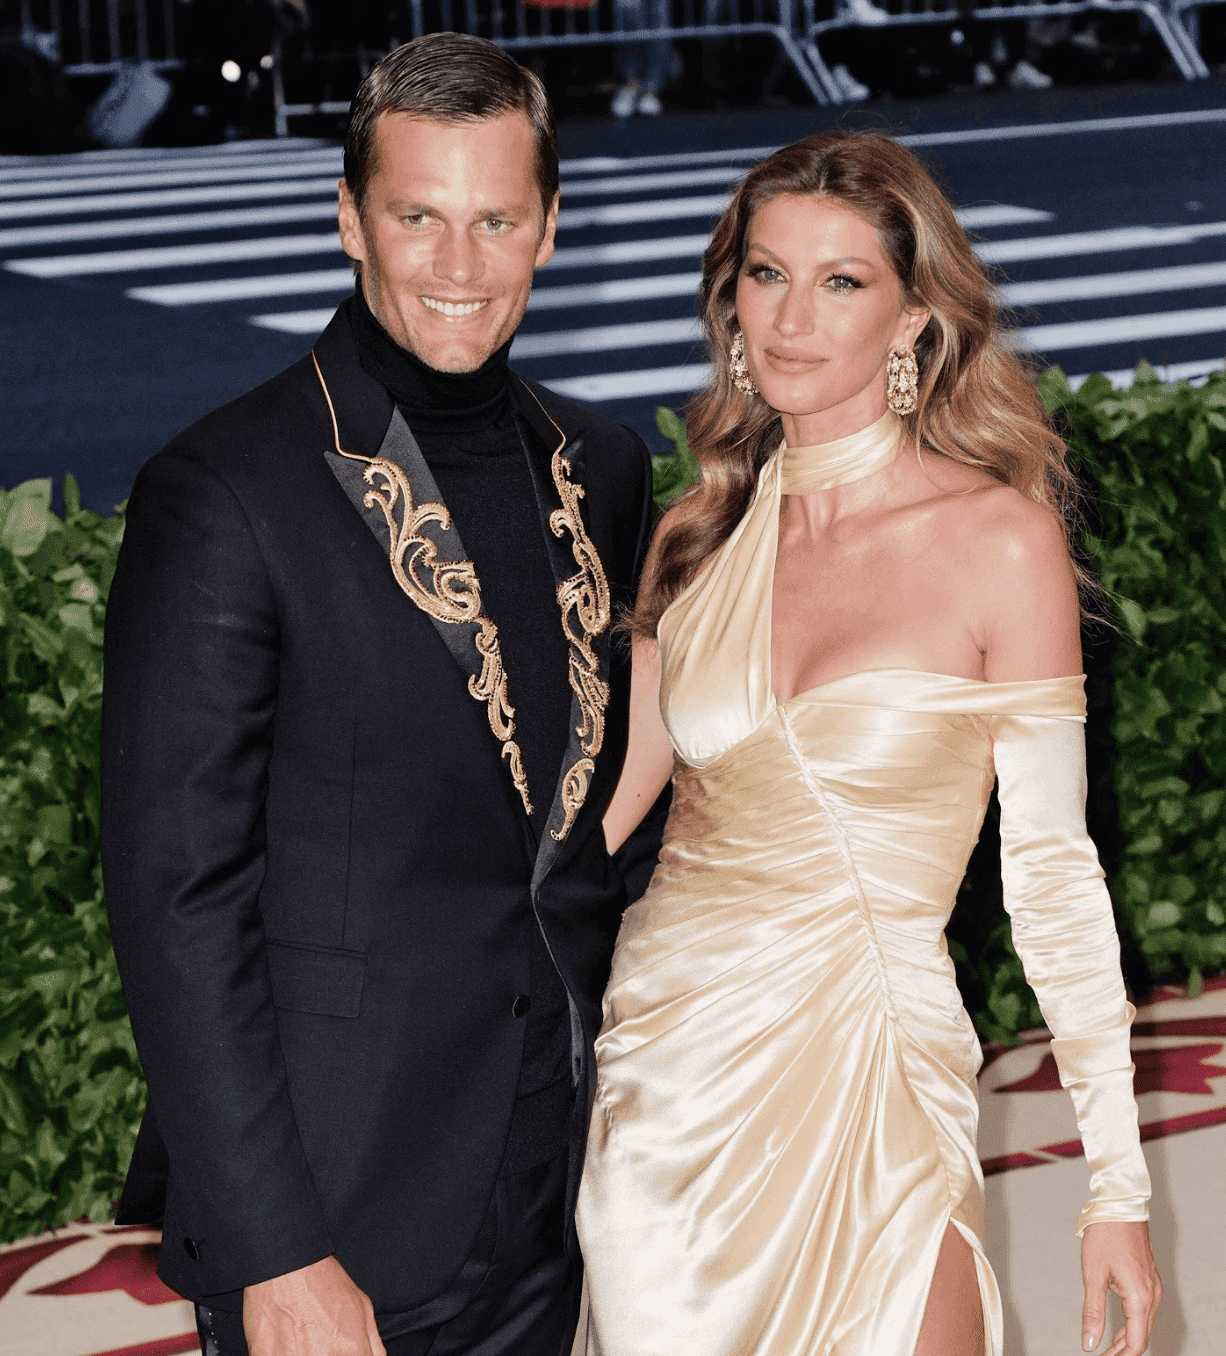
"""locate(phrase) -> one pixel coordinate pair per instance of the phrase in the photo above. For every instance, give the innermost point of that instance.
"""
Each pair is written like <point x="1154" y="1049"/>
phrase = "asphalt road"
<point x="141" y="289"/>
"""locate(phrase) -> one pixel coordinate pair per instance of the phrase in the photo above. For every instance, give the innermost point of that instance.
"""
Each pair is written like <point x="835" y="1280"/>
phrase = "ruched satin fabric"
<point x="785" y="1113"/>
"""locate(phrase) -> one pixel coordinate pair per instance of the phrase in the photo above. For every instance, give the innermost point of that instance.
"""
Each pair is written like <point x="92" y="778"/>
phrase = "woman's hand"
<point x="1117" y="1257"/>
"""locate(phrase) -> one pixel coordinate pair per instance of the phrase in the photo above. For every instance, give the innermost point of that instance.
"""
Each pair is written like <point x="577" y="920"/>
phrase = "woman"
<point x="842" y="639"/>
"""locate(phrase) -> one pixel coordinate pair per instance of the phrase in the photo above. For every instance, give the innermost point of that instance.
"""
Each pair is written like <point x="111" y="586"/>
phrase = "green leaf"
<point x="28" y="517"/>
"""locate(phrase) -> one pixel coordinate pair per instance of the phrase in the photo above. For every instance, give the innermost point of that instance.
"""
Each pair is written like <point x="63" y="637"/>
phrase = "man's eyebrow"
<point x="403" y="207"/>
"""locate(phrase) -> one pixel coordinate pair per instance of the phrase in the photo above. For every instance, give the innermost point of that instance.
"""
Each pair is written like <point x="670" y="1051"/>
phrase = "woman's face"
<point x="820" y="309"/>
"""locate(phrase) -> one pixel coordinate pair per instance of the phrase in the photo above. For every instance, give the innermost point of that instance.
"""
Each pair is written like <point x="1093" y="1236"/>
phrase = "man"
<point x="363" y="715"/>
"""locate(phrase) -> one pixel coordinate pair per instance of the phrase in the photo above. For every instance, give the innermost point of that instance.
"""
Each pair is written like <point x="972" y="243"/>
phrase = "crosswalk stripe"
<point x="602" y="164"/>
<point x="626" y="213"/>
<point x="614" y="290"/>
<point x="331" y="280"/>
<point x="64" y="233"/>
<point x="263" y="169"/>
<point x="1123" y="329"/>
<point x="175" y="256"/>
<point x="630" y="251"/>
<point x="1124" y="376"/>
<point x="1000" y="214"/>
<point x="271" y="247"/>
<point x="651" y="381"/>
<point x="169" y="197"/>
<point x="642" y="183"/>
<point x="1095" y="242"/>
<point x="1176" y="278"/>
<point x="601" y="338"/>
<point x="241" y="289"/>
<point x="295" y="322"/>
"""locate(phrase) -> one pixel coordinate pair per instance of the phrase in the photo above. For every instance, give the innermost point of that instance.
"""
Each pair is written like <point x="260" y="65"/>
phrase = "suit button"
<point x="192" y="1248"/>
<point x="521" y="1005"/>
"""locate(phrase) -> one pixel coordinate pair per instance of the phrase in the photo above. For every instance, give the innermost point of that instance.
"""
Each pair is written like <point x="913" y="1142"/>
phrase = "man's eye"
<point x="415" y="218"/>
<point x="497" y="225"/>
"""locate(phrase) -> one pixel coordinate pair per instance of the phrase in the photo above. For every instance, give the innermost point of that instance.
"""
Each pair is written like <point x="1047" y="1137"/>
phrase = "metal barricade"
<point x="517" y="26"/>
<point x="1164" y="15"/>
<point x="99" y="36"/>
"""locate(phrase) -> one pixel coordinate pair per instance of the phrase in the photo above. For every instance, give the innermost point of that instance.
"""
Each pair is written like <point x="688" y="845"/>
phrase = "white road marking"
<point x="615" y="290"/>
<point x="630" y="251"/>
<point x="169" y="197"/>
<point x="1176" y="278"/>
<point x="295" y="322"/>
<point x="618" y="385"/>
<point x="312" y="163"/>
<point x="1123" y="377"/>
<point x="70" y="232"/>
<point x="623" y="213"/>
<point x="642" y="183"/>
<point x="599" y="338"/>
<point x="1096" y="242"/>
<point x="175" y="256"/>
<point x="1024" y="131"/>
<point x="240" y="289"/>
<point x="1124" y="329"/>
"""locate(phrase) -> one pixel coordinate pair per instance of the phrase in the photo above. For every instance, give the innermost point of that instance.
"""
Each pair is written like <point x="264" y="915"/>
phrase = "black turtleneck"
<point x="466" y="428"/>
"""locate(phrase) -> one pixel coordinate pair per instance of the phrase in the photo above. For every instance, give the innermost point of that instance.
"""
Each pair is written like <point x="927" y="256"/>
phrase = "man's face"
<point x="450" y="233"/>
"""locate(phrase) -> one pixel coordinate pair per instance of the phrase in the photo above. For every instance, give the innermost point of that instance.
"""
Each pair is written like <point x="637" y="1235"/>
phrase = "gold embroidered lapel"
<point x="448" y="591"/>
<point x="586" y="612"/>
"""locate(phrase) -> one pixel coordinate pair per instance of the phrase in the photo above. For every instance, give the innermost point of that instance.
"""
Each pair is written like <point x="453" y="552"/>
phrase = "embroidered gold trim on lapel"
<point x="447" y="590"/>
<point x="586" y="612"/>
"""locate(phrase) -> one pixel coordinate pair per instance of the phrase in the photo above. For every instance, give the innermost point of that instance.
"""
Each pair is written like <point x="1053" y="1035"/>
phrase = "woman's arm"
<point x="1063" y="928"/>
<point x="649" y="756"/>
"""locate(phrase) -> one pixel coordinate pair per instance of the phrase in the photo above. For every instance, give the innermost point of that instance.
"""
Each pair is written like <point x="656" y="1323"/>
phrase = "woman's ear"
<point x="912" y="325"/>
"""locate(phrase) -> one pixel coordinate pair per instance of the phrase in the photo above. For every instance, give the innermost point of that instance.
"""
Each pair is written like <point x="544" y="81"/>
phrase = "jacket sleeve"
<point x="190" y="698"/>
<point x="1064" y="933"/>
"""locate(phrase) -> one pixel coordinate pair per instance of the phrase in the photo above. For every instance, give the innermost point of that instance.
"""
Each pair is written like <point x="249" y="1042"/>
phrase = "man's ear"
<point x="545" y="250"/>
<point x="349" y="224"/>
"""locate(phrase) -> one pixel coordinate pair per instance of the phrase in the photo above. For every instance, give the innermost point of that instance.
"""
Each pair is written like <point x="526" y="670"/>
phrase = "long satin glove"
<point x="1065" y="935"/>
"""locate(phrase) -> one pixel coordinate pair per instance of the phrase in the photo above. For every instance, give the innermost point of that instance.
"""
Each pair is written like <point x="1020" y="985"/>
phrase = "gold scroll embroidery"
<point x="448" y="590"/>
<point x="583" y="598"/>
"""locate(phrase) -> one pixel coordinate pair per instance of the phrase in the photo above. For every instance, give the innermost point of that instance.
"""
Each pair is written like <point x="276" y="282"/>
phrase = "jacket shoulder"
<point x="256" y="430"/>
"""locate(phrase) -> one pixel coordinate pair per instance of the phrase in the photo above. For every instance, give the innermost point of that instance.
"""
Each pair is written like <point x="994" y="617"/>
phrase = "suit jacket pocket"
<point x="321" y="980"/>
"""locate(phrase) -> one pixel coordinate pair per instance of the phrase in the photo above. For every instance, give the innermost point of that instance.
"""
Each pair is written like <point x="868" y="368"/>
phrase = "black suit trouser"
<point x="525" y="1303"/>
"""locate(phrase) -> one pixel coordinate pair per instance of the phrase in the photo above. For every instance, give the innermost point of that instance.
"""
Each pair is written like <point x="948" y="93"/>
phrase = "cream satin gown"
<point x="785" y="1112"/>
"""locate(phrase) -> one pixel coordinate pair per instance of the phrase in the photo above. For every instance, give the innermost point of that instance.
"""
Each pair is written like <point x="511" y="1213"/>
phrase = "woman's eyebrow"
<point x="829" y="263"/>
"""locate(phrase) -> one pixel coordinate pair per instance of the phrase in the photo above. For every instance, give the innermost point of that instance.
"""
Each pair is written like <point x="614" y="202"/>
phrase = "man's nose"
<point x="457" y="258"/>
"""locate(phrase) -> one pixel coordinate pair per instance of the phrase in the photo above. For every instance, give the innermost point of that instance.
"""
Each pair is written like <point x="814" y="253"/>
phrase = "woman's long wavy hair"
<point x="977" y="402"/>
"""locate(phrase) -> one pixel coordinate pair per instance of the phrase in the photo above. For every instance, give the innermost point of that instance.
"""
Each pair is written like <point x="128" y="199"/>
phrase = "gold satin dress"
<point x="785" y="1113"/>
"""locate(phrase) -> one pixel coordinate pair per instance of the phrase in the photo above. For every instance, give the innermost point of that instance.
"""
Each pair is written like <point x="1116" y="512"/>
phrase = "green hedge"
<point x="71" y="1091"/>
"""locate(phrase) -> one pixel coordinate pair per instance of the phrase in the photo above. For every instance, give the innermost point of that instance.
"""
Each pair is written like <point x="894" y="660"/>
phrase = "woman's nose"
<point x="796" y="314"/>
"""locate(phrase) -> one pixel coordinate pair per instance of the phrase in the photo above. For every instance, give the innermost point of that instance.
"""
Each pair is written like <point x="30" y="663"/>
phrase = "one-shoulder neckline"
<point x="919" y="673"/>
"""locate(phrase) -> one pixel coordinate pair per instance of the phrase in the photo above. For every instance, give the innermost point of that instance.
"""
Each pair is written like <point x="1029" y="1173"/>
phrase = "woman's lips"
<point x="784" y="361"/>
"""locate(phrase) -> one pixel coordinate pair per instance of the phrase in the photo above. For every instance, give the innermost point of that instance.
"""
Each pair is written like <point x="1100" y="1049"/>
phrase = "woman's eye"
<point x="843" y="283"/>
<point x="764" y="273"/>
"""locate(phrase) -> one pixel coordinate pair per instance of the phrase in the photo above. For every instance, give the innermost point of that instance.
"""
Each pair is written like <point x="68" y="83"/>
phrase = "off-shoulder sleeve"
<point x="1065" y="935"/>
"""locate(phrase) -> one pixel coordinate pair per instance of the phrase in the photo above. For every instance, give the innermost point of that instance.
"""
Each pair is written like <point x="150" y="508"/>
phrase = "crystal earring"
<point x="739" y="368"/>
<point x="901" y="380"/>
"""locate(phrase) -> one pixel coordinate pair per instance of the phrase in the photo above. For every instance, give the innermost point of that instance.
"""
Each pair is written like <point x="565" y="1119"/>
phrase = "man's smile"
<point x="453" y="308"/>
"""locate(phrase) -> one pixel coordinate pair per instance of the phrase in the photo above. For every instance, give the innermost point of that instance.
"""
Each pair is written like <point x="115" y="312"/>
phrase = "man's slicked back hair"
<point x="449" y="78"/>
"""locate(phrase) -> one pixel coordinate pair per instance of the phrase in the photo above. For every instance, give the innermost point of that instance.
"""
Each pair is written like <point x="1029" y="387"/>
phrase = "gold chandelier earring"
<point x="901" y="380"/>
<point x="739" y="368"/>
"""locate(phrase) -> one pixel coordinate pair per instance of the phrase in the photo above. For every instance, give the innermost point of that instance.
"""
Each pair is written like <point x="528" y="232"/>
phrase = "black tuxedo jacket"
<point x="319" y="870"/>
